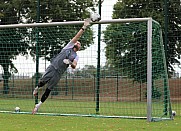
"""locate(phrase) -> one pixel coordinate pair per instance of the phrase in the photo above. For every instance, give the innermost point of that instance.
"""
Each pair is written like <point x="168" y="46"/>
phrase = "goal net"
<point x="121" y="70"/>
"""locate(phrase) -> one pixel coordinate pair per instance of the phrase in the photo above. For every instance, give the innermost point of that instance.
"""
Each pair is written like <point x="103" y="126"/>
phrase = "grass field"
<point x="27" y="122"/>
<point x="82" y="101"/>
<point x="137" y="109"/>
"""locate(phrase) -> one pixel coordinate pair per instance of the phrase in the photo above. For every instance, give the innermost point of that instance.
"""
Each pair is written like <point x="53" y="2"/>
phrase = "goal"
<point x="121" y="73"/>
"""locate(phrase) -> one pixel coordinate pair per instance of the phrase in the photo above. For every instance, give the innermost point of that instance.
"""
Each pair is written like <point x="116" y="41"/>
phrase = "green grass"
<point x="82" y="107"/>
<point x="27" y="122"/>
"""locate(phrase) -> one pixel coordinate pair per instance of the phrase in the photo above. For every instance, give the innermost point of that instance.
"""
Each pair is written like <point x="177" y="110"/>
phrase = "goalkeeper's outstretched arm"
<point x="81" y="31"/>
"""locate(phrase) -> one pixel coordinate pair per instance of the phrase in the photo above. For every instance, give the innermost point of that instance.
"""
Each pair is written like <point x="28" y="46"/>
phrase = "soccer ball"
<point x="95" y="17"/>
<point x="173" y="113"/>
<point x="17" y="109"/>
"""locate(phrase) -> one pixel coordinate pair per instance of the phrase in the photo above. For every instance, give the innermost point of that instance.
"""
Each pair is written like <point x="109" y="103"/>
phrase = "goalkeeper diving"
<point x="59" y="64"/>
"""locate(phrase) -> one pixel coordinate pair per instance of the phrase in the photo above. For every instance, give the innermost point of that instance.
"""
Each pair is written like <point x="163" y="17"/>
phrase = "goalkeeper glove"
<point x="86" y="23"/>
<point x="67" y="61"/>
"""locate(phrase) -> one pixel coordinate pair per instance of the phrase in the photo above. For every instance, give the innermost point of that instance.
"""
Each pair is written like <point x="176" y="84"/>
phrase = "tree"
<point x="126" y="51"/>
<point x="11" y="41"/>
<point x="138" y="9"/>
<point x="58" y="11"/>
<point x="20" y="40"/>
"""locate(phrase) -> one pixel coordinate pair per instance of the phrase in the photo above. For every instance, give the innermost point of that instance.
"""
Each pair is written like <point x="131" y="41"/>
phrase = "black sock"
<point x="45" y="95"/>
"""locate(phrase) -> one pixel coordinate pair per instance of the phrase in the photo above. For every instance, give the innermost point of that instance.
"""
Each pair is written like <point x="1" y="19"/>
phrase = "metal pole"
<point x="117" y="85"/>
<point x="98" y="63"/>
<point x="73" y="23"/>
<point x="165" y="47"/>
<point x="73" y="88"/>
<point x="149" y="71"/>
<point x="37" y="49"/>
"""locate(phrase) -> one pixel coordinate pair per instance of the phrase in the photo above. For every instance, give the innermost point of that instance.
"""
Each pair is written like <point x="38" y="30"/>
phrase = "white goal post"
<point x="149" y="46"/>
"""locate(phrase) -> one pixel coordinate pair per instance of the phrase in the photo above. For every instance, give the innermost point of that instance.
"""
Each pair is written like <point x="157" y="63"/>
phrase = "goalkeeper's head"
<point x="77" y="46"/>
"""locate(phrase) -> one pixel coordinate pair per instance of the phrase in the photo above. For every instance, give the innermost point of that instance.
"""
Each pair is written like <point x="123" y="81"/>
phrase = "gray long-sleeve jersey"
<point x="66" y="53"/>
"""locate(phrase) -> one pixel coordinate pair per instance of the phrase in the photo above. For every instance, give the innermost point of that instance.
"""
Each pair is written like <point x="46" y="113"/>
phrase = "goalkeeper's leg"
<point x="55" y="77"/>
<point x="43" y="98"/>
<point x="49" y="73"/>
<point x="40" y="84"/>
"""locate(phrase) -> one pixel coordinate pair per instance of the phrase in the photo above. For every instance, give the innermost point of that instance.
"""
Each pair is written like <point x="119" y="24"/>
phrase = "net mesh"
<point x="123" y="72"/>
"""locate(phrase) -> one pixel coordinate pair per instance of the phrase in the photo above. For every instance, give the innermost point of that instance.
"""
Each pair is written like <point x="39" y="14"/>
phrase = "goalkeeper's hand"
<point x="86" y="23"/>
<point x="67" y="61"/>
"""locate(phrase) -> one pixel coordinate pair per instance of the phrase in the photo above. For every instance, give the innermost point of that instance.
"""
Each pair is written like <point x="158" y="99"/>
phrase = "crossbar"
<point x="73" y="23"/>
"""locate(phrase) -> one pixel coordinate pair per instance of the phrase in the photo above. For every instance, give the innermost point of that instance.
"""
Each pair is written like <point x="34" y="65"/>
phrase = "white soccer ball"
<point x="173" y="113"/>
<point x="17" y="109"/>
<point x="95" y="17"/>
